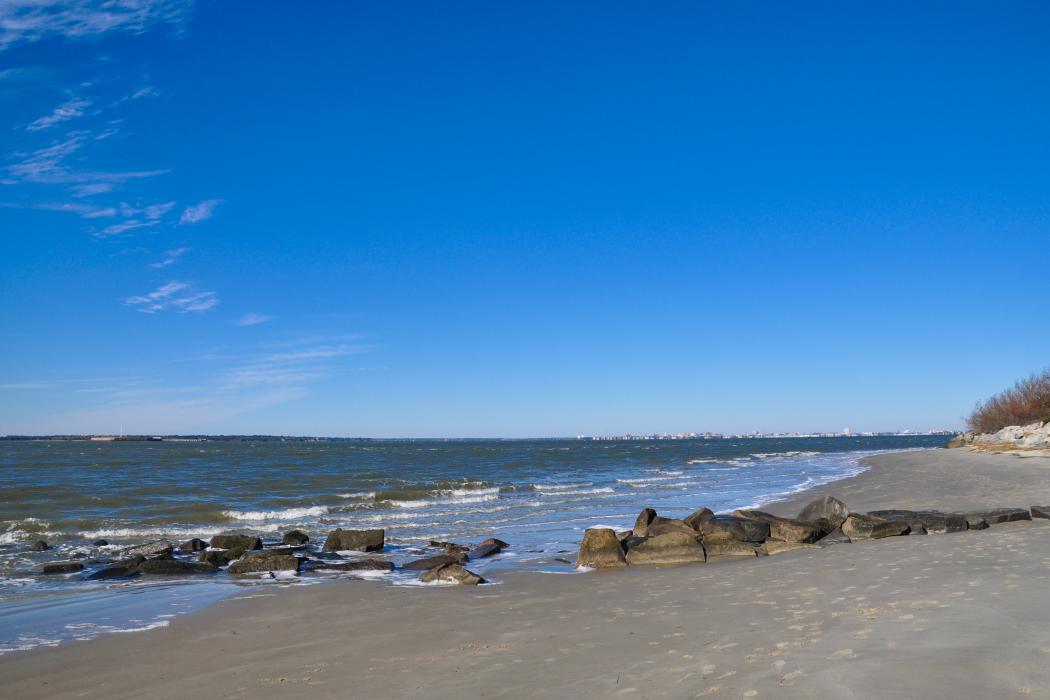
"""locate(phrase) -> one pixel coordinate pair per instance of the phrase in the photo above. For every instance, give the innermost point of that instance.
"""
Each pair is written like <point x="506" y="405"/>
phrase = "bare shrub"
<point x="1025" y="402"/>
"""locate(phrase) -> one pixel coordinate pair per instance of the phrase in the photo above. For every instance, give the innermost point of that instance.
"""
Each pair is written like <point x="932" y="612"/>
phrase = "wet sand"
<point x="964" y="615"/>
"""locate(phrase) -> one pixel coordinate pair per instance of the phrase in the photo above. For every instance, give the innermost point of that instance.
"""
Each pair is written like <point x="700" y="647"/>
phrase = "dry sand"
<point x="965" y="615"/>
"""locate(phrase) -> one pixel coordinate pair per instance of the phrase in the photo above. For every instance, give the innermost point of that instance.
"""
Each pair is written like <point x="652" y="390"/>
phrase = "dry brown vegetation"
<point x="1025" y="402"/>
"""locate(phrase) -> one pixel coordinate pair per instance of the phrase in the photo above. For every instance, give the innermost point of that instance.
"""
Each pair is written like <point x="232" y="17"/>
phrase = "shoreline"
<point x="795" y="625"/>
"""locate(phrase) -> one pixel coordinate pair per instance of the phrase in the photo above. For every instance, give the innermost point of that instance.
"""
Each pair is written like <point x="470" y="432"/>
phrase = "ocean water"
<point x="538" y="495"/>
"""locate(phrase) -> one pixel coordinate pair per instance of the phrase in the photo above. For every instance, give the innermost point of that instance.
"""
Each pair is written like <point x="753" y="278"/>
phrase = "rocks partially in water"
<point x="485" y="550"/>
<point x="194" y="545"/>
<point x="669" y="548"/>
<point x="340" y="540"/>
<point x="789" y="530"/>
<point x="174" y="567"/>
<point x="62" y="568"/>
<point x="743" y="529"/>
<point x="111" y="572"/>
<point x="220" y="557"/>
<point x="601" y="549"/>
<point x="452" y="573"/>
<point x="39" y="546"/>
<point x="295" y="537"/>
<point x="151" y="550"/>
<point x="434" y="562"/>
<point x="242" y="542"/>
<point x="358" y="565"/>
<point x="492" y="540"/>
<point x="866" y="527"/>
<point x="826" y="508"/>
<point x="450" y="547"/>
<point x="100" y="543"/>
<point x="1002" y="515"/>
<point x="264" y="562"/>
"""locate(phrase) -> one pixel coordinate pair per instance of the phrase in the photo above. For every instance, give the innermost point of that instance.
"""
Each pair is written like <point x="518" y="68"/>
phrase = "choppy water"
<point x="538" y="495"/>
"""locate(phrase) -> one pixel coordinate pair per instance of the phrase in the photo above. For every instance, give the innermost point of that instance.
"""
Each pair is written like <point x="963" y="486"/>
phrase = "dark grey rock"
<point x="111" y="572"/>
<point x="62" y="568"/>
<point x="174" y="567"/>
<point x="928" y="521"/>
<point x="194" y="545"/>
<point x="976" y="522"/>
<point x="357" y="540"/>
<point x="827" y="508"/>
<point x="1002" y="515"/>
<point x="452" y="573"/>
<point x="356" y="565"/>
<point x="295" y="537"/>
<point x="836" y="536"/>
<point x="151" y="550"/>
<point x="1040" y="512"/>
<point x="434" y="562"/>
<point x="788" y="530"/>
<point x="265" y="562"/>
<point x="485" y="550"/>
<point x="242" y="542"/>
<point x="99" y="543"/>
<point x="39" y="546"/>
<point x="220" y="557"/>
<point x="866" y="527"/>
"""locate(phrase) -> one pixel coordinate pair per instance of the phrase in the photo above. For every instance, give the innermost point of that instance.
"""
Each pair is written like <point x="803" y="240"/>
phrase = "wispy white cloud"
<point x="170" y="257"/>
<point x="124" y="227"/>
<point x="151" y="212"/>
<point x="86" y="211"/>
<point x="316" y="353"/>
<point x="176" y="296"/>
<point x="199" y="212"/>
<point x="32" y="20"/>
<point x="252" y="319"/>
<point x="69" y="110"/>
<point x="48" y="165"/>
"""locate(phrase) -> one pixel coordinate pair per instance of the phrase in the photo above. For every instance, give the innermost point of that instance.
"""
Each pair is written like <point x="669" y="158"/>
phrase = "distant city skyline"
<point x="481" y="220"/>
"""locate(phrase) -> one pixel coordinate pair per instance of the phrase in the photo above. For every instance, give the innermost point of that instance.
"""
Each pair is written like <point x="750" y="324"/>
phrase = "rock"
<point x="642" y="522"/>
<point x="152" y="550"/>
<point x="274" y="550"/>
<point x="625" y="535"/>
<point x="485" y="550"/>
<point x="1040" y="512"/>
<point x="671" y="548"/>
<point x="450" y="547"/>
<point x="723" y="544"/>
<point x="743" y="529"/>
<point x="696" y="519"/>
<point x="174" y="567"/>
<point x="339" y="540"/>
<point x="959" y="441"/>
<point x="358" y="565"/>
<point x="265" y="562"/>
<point x="220" y="557"/>
<point x="492" y="540"/>
<point x="100" y="543"/>
<point x="976" y="522"/>
<point x="789" y="530"/>
<point x="454" y="573"/>
<point x="242" y="542"/>
<point x="326" y="556"/>
<point x="39" y="546"/>
<point x="865" y="527"/>
<point x="194" y="545"/>
<point x="600" y="549"/>
<point x="836" y="536"/>
<point x="434" y="562"/>
<point x="62" y="568"/>
<point x="827" y="508"/>
<point x="931" y="521"/>
<point x="295" y="537"/>
<point x="114" y="571"/>
<point x="1002" y="515"/>
<point x="662" y="526"/>
<point x="771" y="547"/>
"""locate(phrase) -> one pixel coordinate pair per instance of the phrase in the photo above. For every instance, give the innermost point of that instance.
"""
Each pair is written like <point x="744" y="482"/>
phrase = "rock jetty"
<point x="1023" y="440"/>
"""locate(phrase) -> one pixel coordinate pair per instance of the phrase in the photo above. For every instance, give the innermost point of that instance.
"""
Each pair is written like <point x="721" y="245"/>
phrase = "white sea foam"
<point x="580" y="492"/>
<point x="364" y="495"/>
<point x="286" y="514"/>
<point x="180" y="531"/>
<point x="561" y="487"/>
<point x="454" y="500"/>
<point x="648" y="479"/>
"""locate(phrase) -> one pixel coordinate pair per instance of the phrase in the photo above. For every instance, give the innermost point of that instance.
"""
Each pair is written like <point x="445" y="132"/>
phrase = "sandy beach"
<point x="940" y="616"/>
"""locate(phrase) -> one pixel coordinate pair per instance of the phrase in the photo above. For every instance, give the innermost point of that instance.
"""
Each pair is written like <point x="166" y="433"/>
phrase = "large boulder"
<point x="174" y="567"/>
<point x="826" y="508"/>
<point x="434" y="562"/>
<point x="722" y="544"/>
<point x="642" y="522"/>
<point x="697" y="518"/>
<point x="743" y="529"/>
<point x="789" y="530"/>
<point x="194" y="545"/>
<point x="340" y="540"/>
<point x="485" y="550"/>
<point x="151" y="550"/>
<point x="930" y="521"/>
<point x="865" y="527"/>
<point x="295" y="537"/>
<point x="242" y="542"/>
<point x="1002" y="515"/>
<point x="62" y="568"/>
<point x="600" y="549"/>
<point x="670" y="548"/>
<point x="111" y="572"/>
<point x="662" y="526"/>
<point x="265" y="562"/>
<point x="220" y="557"/>
<point x="452" y="573"/>
<point x="1040" y="512"/>
<point x="357" y="565"/>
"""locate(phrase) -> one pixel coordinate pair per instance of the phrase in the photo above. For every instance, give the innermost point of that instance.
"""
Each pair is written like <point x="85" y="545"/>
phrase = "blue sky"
<point x="478" y="219"/>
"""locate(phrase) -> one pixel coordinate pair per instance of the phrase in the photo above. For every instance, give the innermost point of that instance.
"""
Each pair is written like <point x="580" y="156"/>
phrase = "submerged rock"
<point x="485" y="550"/>
<point x="265" y="562"/>
<point x="357" y="565"/>
<point x="434" y="562"/>
<point x="173" y="567"/>
<point x="151" y="550"/>
<point x="39" y="546"/>
<point x="1002" y="515"/>
<point x="62" y="568"/>
<point x="670" y="548"/>
<point x="99" y="543"/>
<point x="454" y="573"/>
<point x="220" y="557"/>
<point x="295" y="537"/>
<point x="826" y="508"/>
<point x="789" y="530"/>
<point x="600" y="549"/>
<point x="743" y="529"/>
<point x="113" y="571"/>
<point x="339" y="540"/>
<point x="866" y="527"/>
<point x="194" y="545"/>
<point x="242" y="542"/>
